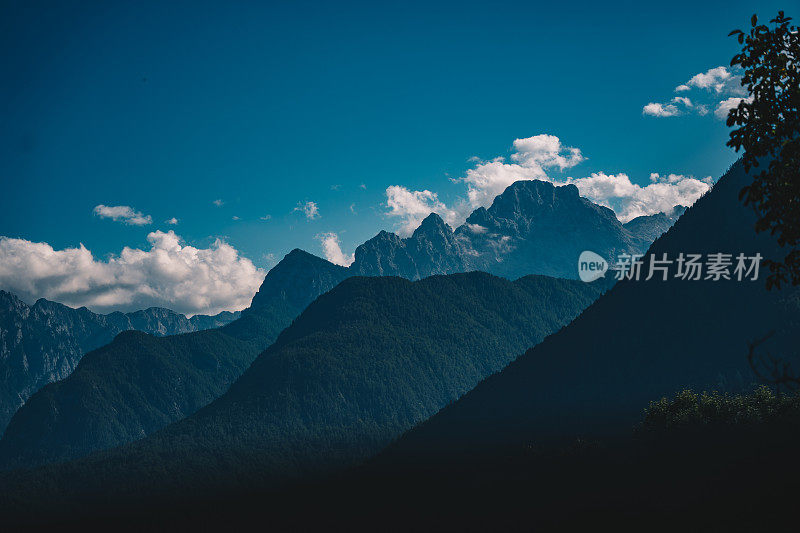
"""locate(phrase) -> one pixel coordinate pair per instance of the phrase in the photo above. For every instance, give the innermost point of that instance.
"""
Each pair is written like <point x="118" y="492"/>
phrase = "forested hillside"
<point x="43" y="342"/>
<point x="365" y="362"/>
<point x="139" y="383"/>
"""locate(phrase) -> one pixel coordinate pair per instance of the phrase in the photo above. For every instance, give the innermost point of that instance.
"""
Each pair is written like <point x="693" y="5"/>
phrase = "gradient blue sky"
<point x="168" y="106"/>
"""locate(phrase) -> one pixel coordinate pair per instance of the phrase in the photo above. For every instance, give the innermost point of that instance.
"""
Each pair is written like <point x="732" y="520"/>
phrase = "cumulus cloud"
<point x="170" y="274"/>
<point x="122" y="213"/>
<point x="713" y="78"/>
<point x="724" y="107"/>
<point x="708" y="87"/>
<point x="266" y="217"/>
<point x="682" y="100"/>
<point x="413" y="206"/>
<point x="630" y="200"/>
<point x="309" y="209"/>
<point x="218" y="202"/>
<point x="171" y="221"/>
<point x="544" y="151"/>
<point x="531" y="159"/>
<point x="660" y="110"/>
<point x="332" y="249"/>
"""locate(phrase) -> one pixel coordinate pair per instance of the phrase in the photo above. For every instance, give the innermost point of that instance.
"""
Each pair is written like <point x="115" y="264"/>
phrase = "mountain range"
<point x="363" y="363"/>
<point x="139" y="383"/>
<point x="508" y="239"/>
<point x="533" y="227"/>
<point x="640" y="341"/>
<point x="374" y="357"/>
<point x="44" y="342"/>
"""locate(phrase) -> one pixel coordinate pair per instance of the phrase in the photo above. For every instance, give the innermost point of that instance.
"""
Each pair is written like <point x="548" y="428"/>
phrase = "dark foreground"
<point x="693" y="479"/>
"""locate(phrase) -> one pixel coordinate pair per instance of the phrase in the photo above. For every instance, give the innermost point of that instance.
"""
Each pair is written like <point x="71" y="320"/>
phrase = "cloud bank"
<point x="533" y="158"/>
<point x="170" y="274"/>
<point x="630" y="200"/>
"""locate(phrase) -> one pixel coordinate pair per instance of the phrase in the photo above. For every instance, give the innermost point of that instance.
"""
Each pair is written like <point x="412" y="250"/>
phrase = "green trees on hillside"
<point x="692" y="410"/>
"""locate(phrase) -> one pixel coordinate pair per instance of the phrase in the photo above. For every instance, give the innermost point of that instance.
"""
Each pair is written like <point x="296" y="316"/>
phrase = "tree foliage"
<point x="768" y="131"/>
<point x="689" y="409"/>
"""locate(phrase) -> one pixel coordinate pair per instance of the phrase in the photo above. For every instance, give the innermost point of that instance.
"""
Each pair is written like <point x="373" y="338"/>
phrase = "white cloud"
<point x="630" y="200"/>
<point x="122" y="213"/>
<point x="333" y="250"/>
<point x="720" y="81"/>
<point x="172" y="221"/>
<point x="218" y="202"/>
<point x="531" y="157"/>
<point x="170" y="274"/>
<point x="682" y="100"/>
<point x="713" y="78"/>
<point x="545" y="151"/>
<point x="660" y="110"/>
<point x="309" y="209"/>
<point x="266" y="217"/>
<point x="413" y="206"/>
<point x="353" y="209"/>
<point x="530" y="160"/>
<point x="721" y="112"/>
<point x="708" y="87"/>
<point x="235" y="217"/>
<point x="477" y="229"/>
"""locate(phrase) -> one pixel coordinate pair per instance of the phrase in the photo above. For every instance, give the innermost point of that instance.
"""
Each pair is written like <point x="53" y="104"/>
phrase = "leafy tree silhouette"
<point x="769" y="130"/>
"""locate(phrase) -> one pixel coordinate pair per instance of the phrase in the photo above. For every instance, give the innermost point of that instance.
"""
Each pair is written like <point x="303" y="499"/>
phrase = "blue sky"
<point x="166" y="107"/>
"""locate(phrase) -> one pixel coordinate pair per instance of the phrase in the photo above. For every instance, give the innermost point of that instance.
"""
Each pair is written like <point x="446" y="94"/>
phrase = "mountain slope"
<point x="648" y="228"/>
<point x="642" y="340"/>
<point x="138" y="383"/>
<point x="43" y="342"/>
<point x="533" y="227"/>
<point x="363" y="363"/>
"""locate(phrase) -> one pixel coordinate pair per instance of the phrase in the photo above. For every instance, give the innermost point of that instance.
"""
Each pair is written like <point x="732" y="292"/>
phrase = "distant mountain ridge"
<point x="43" y="342"/>
<point x="533" y="227"/>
